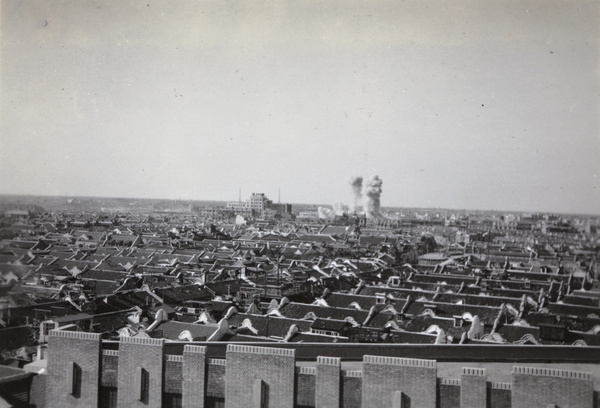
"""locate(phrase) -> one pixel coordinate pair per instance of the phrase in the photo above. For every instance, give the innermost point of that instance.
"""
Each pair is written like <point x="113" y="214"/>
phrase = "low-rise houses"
<point x="178" y="278"/>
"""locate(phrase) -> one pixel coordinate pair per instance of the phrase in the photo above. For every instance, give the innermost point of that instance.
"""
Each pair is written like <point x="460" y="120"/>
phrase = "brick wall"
<point x="305" y="386"/>
<point x="173" y="380"/>
<point x="382" y="376"/>
<point x="499" y="395"/>
<point x="351" y="389"/>
<point x="110" y="368"/>
<point x="246" y="364"/>
<point x="448" y="393"/>
<point x="327" y="388"/>
<point x="73" y="358"/>
<point x="539" y="387"/>
<point x="194" y="375"/>
<point x="140" y="372"/>
<point x="473" y="388"/>
<point x="215" y="372"/>
<point x="271" y="373"/>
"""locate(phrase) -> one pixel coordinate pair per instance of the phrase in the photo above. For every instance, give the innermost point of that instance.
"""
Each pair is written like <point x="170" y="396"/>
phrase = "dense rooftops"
<point x="176" y="276"/>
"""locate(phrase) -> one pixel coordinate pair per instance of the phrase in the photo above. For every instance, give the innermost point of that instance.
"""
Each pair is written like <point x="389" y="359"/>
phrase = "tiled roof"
<point x="513" y="333"/>
<point x="403" y="337"/>
<point x="487" y="314"/>
<point x="317" y="338"/>
<point x="103" y="274"/>
<point x="345" y="300"/>
<point x="300" y="311"/>
<point x="329" y="324"/>
<point x="70" y="264"/>
<point x="272" y="326"/>
<point x="118" y="262"/>
<point x="174" y="296"/>
<point x="315" y="238"/>
<point x="94" y="257"/>
<point x="18" y="270"/>
<point x="15" y="337"/>
<point x="9" y="374"/>
<point x="200" y="332"/>
<point x="108" y="251"/>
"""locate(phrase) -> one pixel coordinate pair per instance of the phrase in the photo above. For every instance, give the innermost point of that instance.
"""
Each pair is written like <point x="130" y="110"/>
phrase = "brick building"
<point x="84" y="370"/>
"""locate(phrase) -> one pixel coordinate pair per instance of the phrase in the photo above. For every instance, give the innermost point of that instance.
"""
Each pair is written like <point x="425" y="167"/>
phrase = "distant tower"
<point x="279" y="199"/>
<point x="240" y="196"/>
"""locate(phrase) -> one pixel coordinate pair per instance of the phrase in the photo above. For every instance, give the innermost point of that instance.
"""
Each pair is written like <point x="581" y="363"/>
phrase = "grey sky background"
<point x="456" y="104"/>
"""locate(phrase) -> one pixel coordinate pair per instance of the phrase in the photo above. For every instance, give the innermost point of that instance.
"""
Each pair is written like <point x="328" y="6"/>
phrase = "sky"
<point x="489" y="105"/>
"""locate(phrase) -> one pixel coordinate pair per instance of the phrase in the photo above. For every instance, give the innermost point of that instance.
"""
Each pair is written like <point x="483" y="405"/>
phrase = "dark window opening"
<point x="108" y="397"/>
<point x="74" y="379"/>
<point x="172" y="400"/>
<point x="214" y="402"/>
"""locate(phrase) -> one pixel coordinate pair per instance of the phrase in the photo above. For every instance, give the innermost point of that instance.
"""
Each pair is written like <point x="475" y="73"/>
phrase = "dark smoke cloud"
<point x="371" y="197"/>
<point x="356" y="183"/>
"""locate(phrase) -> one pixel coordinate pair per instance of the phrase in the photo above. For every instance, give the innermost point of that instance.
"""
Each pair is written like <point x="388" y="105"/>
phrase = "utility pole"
<point x="278" y="272"/>
<point x="265" y="283"/>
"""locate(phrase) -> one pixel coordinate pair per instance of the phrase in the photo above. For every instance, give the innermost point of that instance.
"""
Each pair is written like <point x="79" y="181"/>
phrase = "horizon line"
<point x="306" y="204"/>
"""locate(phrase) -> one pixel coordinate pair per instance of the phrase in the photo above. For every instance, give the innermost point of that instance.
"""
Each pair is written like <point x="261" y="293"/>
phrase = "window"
<point x="261" y="393"/>
<point x="214" y="402"/>
<point x="108" y="397"/>
<point x="74" y="379"/>
<point x="325" y="332"/>
<point x="172" y="400"/>
<point x="142" y="384"/>
<point x="47" y="326"/>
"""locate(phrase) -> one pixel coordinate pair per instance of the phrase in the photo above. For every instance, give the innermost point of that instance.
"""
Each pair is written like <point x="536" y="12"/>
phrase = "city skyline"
<point x="470" y="105"/>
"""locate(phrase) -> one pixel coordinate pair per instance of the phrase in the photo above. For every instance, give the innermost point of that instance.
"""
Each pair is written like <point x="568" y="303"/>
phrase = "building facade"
<point x="84" y="370"/>
<point x="258" y="204"/>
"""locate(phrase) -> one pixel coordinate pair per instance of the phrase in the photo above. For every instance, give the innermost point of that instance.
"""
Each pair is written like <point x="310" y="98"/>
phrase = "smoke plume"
<point x="371" y="197"/>
<point x="367" y="194"/>
<point x="328" y="214"/>
<point x="356" y="183"/>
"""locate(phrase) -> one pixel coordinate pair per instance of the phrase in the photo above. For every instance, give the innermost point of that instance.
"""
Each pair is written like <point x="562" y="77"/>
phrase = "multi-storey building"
<point x="257" y="204"/>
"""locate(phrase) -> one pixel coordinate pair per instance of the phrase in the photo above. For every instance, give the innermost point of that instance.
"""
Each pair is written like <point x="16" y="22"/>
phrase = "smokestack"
<point x="371" y="197"/>
<point x="356" y="183"/>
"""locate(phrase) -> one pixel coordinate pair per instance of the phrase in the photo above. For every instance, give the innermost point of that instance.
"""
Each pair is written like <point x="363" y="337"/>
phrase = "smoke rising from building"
<point x="367" y="193"/>
<point x="326" y="213"/>
<point x="372" y="197"/>
<point x="338" y="209"/>
<point x="356" y="183"/>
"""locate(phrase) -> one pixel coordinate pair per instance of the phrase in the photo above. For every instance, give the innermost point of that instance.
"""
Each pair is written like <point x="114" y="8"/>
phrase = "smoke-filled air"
<point x="371" y="197"/>
<point x="356" y="183"/>
<point x="366" y="199"/>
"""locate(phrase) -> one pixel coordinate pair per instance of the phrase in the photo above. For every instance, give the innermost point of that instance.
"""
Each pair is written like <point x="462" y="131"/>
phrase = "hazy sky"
<point x="457" y="104"/>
